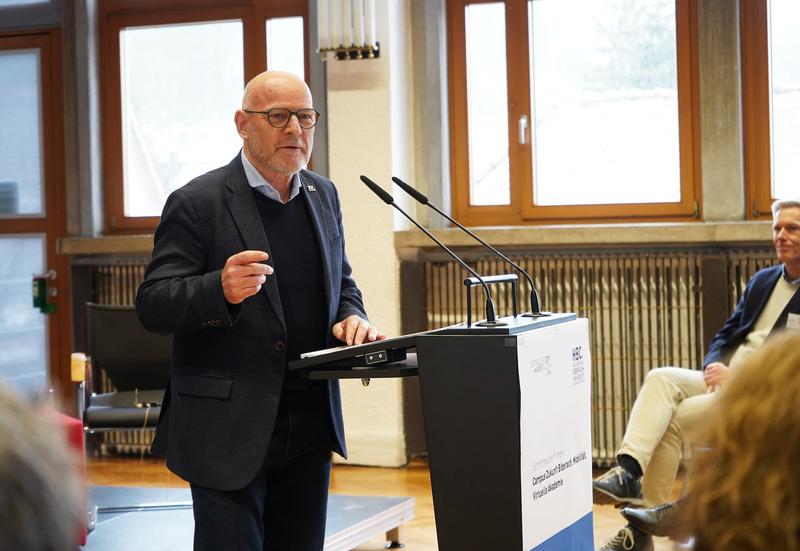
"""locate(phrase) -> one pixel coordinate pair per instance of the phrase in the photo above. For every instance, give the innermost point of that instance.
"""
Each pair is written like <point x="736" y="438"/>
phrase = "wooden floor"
<point x="413" y="480"/>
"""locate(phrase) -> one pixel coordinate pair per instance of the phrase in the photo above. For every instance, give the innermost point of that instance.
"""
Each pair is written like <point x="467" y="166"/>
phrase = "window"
<point x="285" y="51"/>
<point x="171" y="134"/>
<point x="21" y="163"/>
<point x="771" y="90"/>
<point x="172" y="80"/>
<point x="572" y="110"/>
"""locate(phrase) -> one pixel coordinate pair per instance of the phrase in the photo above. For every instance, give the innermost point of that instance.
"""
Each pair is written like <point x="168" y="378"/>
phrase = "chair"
<point x="136" y="363"/>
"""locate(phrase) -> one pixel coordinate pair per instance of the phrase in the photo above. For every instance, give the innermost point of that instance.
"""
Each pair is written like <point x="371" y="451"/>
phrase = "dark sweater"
<point x="296" y="257"/>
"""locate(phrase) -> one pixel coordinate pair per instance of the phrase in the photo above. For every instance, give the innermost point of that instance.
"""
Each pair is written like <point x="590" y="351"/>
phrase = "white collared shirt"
<point x="259" y="183"/>
<point x="786" y="277"/>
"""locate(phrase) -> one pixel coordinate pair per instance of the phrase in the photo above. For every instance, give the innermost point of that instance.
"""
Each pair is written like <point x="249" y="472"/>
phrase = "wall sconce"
<point x="346" y="29"/>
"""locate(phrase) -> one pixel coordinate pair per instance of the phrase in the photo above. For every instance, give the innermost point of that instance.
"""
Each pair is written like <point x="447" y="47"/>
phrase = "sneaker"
<point x="629" y="539"/>
<point x="619" y="485"/>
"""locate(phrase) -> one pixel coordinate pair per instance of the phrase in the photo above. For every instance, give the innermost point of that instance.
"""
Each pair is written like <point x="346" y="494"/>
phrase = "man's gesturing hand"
<point x="244" y="274"/>
<point x="355" y="330"/>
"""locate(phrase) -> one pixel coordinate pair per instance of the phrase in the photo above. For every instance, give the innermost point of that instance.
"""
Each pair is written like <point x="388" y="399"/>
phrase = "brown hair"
<point x="40" y="500"/>
<point x="745" y="490"/>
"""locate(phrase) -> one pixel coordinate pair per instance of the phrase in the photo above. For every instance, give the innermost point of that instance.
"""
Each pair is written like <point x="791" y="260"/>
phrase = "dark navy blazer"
<point x="741" y="322"/>
<point x="228" y="364"/>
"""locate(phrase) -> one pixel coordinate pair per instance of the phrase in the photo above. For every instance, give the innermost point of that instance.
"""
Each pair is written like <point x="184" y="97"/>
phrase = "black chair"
<point x="134" y="361"/>
<point x="136" y="364"/>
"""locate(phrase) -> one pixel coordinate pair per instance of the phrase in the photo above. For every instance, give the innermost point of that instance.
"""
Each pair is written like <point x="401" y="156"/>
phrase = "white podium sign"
<point x="555" y="431"/>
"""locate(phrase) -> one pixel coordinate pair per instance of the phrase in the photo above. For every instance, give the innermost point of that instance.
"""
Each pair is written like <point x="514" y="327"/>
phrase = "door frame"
<point x="53" y="224"/>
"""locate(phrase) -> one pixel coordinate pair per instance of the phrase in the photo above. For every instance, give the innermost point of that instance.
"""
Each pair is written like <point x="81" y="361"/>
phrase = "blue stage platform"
<point x="164" y="522"/>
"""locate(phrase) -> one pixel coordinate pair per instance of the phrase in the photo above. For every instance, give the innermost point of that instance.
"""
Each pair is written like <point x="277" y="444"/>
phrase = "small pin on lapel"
<point x="311" y="188"/>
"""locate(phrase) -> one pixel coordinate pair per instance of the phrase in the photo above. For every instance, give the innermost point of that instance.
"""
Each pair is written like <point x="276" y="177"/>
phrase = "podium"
<point x="508" y="426"/>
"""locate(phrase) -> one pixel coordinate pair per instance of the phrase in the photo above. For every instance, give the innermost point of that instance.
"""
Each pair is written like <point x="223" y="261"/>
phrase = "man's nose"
<point x="293" y="125"/>
<point x="782" y="234"/>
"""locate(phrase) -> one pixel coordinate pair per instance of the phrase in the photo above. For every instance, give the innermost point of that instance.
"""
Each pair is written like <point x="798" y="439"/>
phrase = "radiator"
<point x="644" y="309"/>
<point x="741" y="267"/>
<point x="117" y="283"/>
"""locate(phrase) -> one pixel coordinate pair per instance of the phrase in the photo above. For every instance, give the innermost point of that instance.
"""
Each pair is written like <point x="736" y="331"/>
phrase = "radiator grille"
<point x="741" y="267"/>
<point x="116" y="284"/>
<point x="644" y="310"/>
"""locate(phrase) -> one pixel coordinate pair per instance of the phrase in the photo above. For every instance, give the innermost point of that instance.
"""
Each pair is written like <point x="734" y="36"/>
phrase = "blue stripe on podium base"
<point x="578" y="536"/>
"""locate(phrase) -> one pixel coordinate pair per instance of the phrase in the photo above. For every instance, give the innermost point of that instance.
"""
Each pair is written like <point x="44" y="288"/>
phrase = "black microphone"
<point x="535" y="311"/>
<point x="491" y="318"/>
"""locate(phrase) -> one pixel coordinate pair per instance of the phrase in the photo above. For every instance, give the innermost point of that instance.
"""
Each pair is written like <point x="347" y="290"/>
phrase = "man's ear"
<point x="240" y="118"/>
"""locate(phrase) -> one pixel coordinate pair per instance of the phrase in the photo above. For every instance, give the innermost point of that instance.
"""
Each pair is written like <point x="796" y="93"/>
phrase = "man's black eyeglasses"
<point x="279" y="117"/>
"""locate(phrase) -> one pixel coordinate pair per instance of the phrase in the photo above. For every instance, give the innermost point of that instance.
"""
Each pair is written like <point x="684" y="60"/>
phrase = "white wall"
<point x="368" y="133"/>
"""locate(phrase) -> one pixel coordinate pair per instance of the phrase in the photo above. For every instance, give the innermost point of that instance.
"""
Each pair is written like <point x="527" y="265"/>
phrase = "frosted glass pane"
<point x="23" y="332"/>
<point x="181" y="85"/>
<point x="605" y="102"/>
<point x="285" y="50"/>
<point x="5" y="3"/>
<point x="20" y="134"/>
<point x="785" y="64"/>
<point x="487" y="104"/>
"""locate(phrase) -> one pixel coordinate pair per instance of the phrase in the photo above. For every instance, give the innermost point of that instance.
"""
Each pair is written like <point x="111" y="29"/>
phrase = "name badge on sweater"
<point x="793" y="321"/>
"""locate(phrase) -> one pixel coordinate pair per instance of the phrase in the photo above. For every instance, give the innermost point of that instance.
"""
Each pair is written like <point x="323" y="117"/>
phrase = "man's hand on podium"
<point x="356" y="330"/>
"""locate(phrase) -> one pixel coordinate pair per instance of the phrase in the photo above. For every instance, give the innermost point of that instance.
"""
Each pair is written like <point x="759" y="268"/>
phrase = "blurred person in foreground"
<point x="745" y="489"/>
<point x="249" y="271"/>
<point x="674" y="402"/>
<point x="40" y="494"/>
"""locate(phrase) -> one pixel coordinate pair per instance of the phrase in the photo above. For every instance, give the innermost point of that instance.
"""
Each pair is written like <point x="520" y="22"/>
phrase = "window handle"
<point x="522" y="125"/>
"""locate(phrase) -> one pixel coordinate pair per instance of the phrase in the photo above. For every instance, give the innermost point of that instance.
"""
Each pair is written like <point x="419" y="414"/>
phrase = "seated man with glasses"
<point x="673" y="402"/>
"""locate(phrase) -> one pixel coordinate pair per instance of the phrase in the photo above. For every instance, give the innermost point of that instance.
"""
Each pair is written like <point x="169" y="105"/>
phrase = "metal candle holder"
<point x="364" y="51"/>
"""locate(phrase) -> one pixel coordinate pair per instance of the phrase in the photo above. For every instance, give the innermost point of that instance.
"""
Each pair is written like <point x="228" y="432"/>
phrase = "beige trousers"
<point x="671" y="405"/>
